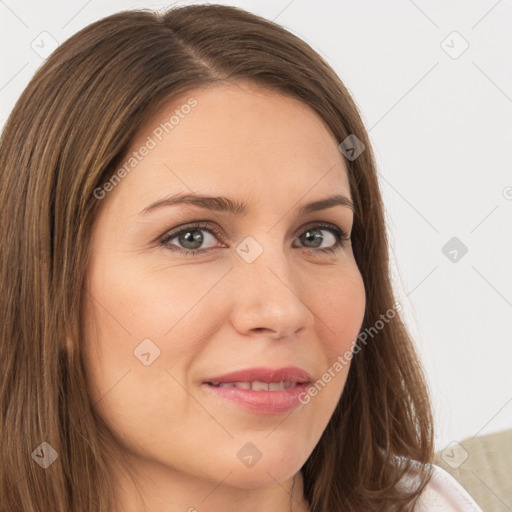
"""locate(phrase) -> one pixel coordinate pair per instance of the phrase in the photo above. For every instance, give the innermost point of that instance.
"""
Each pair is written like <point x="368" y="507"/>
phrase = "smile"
<point x="257" y="385"/>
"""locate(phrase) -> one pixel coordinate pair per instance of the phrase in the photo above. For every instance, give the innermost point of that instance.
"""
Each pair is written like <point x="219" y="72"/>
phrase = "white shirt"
<point x="444" y="494"/>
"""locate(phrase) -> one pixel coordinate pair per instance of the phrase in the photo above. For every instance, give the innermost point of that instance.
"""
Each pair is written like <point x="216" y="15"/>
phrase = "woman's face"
<point x="260" y="293"/>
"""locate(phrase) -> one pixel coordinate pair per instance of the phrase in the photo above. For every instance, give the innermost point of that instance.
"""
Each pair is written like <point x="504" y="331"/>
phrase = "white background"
<point x="441" y="130"/>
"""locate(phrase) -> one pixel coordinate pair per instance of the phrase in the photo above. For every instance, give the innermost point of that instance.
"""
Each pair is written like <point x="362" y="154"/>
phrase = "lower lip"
<point x="263" y="402"/>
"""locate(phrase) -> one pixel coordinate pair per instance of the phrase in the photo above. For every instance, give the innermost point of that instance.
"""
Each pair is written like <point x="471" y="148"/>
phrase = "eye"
<point x="189" y="240"/>
<point x="314" y="237"/>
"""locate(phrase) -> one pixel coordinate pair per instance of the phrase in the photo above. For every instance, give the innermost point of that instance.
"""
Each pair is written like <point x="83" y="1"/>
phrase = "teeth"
<point x="257" y="385"/>
<point x="243" y="385"/>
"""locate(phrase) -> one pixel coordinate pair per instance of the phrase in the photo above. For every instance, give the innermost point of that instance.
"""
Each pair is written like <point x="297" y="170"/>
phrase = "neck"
<point x="157" y="488"/>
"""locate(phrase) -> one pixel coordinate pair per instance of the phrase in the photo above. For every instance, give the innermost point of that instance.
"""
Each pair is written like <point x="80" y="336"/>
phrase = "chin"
<point x="260" y="476"/>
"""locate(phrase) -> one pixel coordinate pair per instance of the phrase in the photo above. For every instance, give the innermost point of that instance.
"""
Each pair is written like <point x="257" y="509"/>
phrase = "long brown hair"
<point x="63" y="139"/>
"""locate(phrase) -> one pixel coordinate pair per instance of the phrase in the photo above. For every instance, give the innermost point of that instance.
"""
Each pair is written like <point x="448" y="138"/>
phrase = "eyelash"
<point x="340" y="235"/>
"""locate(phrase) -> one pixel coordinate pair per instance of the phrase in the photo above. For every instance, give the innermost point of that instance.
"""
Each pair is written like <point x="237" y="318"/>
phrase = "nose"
<point x="269" y="298"/>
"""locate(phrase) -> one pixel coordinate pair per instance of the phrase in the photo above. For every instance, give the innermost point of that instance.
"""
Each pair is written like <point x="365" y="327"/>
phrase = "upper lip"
<point x="262" y="374"/>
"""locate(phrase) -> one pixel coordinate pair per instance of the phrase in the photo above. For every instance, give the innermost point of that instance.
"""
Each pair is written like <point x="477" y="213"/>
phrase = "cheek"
<point x="340" y="308"/>
<point x="135" y="315"/>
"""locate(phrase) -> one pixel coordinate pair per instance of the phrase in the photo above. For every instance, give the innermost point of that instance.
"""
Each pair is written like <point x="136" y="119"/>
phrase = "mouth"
<point x="257" y="385"/>
<point x="261" y="376"/>
<point x="261" y="390"/>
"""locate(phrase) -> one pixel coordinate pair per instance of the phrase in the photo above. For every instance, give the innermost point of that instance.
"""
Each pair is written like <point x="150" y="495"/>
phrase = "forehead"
<point x="235" y="137"/>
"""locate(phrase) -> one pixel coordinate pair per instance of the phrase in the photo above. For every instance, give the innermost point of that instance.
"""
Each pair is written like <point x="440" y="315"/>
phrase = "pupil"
<point x="315" y="238"/>
<point x="190" y="237"/>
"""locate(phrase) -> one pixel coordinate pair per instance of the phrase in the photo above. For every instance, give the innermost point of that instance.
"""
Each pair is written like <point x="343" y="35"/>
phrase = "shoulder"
<point x="444" y="494"/>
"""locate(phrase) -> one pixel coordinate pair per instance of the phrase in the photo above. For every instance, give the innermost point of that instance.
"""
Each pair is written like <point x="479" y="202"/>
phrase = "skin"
<point x="214" y="313"/>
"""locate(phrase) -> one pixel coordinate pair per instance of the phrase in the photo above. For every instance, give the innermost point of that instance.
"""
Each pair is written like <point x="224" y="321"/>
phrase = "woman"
<point x="170" y="340"/>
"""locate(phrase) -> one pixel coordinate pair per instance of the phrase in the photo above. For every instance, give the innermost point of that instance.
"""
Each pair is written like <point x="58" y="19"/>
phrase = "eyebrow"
<point x="224" y="204"/>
